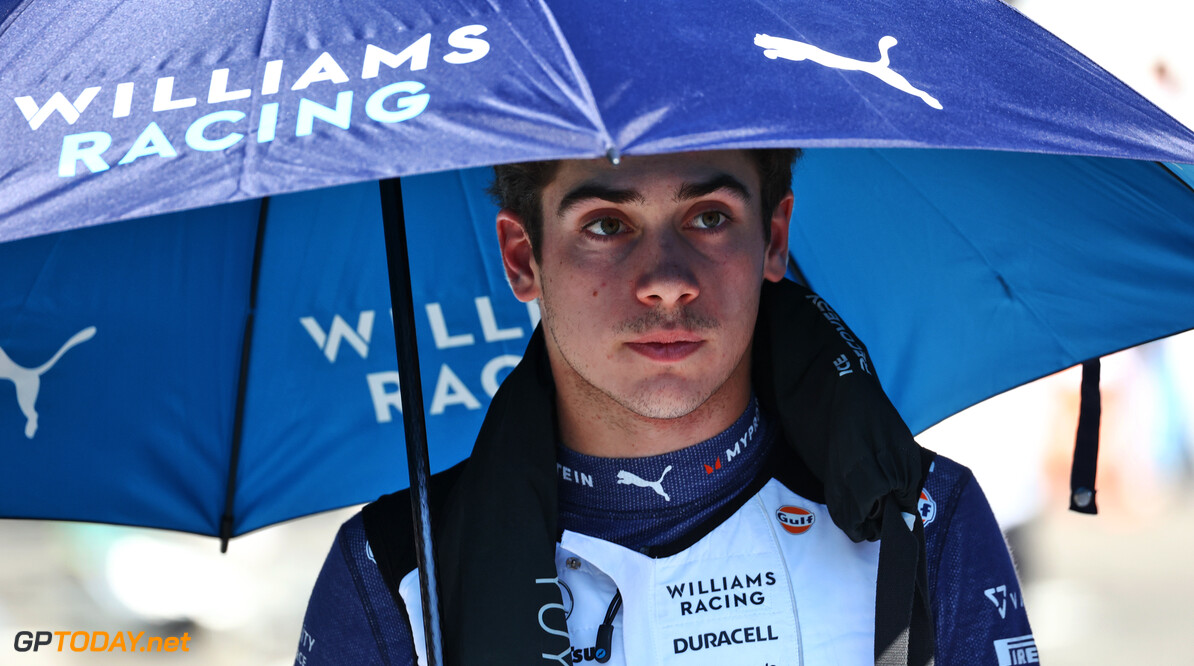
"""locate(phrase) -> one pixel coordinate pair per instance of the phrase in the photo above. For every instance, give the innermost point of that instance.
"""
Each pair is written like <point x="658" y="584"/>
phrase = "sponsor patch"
<point x="711" y="639"/>
<point x="574" y="476"/>
<point x="1002" y="599"/>
<point x="1018" y="650"/>
<point x="597" y="654"/>
<point x="632" y="479"/>
<point x="790" y="49"/>
<point x="794" y="519"/>
<point x="926" y="507"/>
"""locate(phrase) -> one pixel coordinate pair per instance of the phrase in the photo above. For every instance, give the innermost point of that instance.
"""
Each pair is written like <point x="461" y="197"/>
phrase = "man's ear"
<point x="518" y="257"/>
<point x="775" y="261"/>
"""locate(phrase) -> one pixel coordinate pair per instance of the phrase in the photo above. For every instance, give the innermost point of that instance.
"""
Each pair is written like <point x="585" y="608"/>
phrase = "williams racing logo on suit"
<point x="729" y="598"/>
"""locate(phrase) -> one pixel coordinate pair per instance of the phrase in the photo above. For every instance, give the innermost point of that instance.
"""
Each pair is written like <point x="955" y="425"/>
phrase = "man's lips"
<point x="667" y="345"/>
<point x="667" y="336"/>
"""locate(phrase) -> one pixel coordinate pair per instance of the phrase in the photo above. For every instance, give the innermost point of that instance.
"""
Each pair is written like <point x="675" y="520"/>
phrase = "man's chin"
<point x="665" y="403"/>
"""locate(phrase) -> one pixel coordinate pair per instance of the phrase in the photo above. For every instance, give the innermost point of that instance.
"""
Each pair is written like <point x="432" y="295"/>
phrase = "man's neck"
<point x="594" y="424"/>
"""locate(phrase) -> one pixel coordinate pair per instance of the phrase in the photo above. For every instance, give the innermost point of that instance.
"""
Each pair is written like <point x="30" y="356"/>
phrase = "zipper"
<point x="787" y="576"/>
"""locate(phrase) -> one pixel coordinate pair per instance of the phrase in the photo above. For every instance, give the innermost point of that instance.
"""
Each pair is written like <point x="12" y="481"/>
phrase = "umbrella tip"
<point x="615" y="158"/>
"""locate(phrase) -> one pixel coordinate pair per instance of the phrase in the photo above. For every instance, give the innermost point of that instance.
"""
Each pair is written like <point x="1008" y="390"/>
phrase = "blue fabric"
<point x="698" y="479"/>
<point x="971" y="577"/>
<point x="149" y="399"/>
<point x="952" y="273"/>
<point x="510" y="81"/>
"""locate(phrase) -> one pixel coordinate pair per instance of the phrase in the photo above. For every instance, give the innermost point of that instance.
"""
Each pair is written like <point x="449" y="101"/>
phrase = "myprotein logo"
<point x="794" y="519"/>
<point x="98" y="641"/>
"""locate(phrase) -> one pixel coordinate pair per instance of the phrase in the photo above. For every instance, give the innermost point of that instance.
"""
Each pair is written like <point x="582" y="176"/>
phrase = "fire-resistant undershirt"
<point x="643" y="502"/>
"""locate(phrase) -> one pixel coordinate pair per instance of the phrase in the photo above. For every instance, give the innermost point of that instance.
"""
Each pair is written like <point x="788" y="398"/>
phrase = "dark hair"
<point x="519" y="187"/>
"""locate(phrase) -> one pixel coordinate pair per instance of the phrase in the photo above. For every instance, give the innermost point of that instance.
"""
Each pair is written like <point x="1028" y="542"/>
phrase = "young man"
<point x="693" y="464"/>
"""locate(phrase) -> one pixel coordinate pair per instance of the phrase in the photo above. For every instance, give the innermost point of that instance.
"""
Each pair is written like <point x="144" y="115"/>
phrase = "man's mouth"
<point x="667" y="346"/>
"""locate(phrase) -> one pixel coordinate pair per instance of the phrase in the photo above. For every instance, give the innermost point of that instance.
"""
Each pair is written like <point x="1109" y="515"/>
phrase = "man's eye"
<point x="606" y="226"/>
<point x="711" y="219"/>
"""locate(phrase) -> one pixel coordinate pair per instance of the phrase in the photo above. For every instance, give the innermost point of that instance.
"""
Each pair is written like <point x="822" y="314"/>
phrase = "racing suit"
<point x="755" y="572"/>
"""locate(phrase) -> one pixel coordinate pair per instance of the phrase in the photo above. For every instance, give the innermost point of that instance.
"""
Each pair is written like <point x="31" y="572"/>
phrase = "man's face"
<point x="649" y="279"/>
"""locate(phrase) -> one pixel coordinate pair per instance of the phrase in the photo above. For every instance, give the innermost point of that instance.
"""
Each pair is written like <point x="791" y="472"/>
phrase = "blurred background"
<point x="1109" y="589"/>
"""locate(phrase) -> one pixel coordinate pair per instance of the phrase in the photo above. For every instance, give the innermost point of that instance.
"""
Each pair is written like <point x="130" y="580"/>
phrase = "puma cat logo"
<point x="631" y="479"/>
<point x="28" y="380"/>
<point x="790" y="49"/>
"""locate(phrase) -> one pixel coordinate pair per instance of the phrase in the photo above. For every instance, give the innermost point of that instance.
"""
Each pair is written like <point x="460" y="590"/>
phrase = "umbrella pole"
<point x="410" y="386"/>
<point x="228" y="519"/>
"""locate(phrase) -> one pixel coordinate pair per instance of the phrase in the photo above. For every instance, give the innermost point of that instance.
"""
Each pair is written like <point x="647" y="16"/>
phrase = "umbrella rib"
<point x="1170" y="168"/>
<point x="1007" y="287"/>
<point x="14" y="15"/>
<point x="586" y="91"/>
<point x="228" y="518"/>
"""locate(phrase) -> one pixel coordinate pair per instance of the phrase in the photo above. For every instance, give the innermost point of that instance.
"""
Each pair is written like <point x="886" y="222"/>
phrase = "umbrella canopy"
<point x="128" y="109"/>
<point x="1063" y="231"/>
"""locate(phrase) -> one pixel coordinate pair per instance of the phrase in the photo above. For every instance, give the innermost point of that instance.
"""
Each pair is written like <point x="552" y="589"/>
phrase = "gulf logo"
<point x="794" y="519"/>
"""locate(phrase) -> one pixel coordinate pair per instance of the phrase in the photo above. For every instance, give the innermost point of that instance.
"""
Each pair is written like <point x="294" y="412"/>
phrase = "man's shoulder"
<point x="439" y="484"/>
<point x="947" y="482"/>
<point x="352" y="618"/>
<point x="948" y="476"/>
<point x="954" y="509"/>
<point x="388" y="524"/>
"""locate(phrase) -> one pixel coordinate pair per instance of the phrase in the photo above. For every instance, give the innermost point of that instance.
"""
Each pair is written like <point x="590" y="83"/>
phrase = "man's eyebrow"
<point x="595" y="191"/>
<point x="719" y="182"/>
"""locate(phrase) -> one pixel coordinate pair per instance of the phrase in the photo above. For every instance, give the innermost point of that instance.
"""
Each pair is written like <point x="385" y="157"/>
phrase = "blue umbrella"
<point x="216" y="361"/>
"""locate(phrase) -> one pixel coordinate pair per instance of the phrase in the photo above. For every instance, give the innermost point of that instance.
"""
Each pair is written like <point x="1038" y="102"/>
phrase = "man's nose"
<point x="667" y="278"/>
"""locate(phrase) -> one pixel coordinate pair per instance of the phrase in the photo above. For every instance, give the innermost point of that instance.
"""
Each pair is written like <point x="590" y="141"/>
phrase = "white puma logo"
<point x="631" y="479"/>
<point x="778" y="47"/>
<point x="28" y="380"/>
